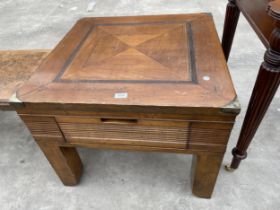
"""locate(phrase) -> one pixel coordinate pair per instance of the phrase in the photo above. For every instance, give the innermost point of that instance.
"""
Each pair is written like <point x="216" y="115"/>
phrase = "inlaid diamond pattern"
<point x="152" y="52"/>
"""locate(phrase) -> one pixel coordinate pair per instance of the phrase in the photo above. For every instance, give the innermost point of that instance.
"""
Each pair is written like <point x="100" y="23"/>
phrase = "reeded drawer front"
<point x="160" y="133"/>
<point x="42" y="126"/>
<point x="157" y="133"/>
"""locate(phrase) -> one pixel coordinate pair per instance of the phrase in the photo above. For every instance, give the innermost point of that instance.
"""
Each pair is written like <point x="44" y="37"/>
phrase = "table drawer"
<point x="141" y="132"/>
<point x="176" y="134"/>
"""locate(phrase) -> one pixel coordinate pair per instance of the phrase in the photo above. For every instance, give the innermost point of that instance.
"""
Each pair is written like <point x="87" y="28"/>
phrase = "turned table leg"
<point x="64" y="160"/>
<point x="231" y="20"/>
<point x="205" y="170"/>
<point x="267" y="83"/>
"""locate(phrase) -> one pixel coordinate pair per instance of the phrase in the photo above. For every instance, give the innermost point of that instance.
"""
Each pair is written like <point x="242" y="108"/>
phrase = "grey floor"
<point x="132" y="180"/>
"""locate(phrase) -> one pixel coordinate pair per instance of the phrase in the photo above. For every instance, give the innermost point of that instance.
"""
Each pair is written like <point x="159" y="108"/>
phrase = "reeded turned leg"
<point x="205" y="170"/>
<point x="64" y="160"/>
<point x="231" y="20"/>
<point x="267" y="83"/>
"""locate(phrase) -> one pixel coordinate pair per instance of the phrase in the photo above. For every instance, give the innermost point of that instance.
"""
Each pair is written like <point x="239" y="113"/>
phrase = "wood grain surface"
<point x="256" y="13"/>
<point x="15" y="68"/>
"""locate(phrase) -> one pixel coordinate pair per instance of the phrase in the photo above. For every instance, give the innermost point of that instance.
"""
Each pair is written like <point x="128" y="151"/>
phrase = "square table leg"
<point x="205" y="170"/>
<point x="64" y="160"/>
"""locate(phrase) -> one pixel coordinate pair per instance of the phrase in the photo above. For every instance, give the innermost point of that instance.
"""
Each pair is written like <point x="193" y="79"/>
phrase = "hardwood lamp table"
<point x="148" y="83"/>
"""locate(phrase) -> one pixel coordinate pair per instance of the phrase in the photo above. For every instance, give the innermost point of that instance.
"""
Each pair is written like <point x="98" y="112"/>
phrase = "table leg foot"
<point x="64" y="160"/>
<point x="229" y="168"/>
<point x="205" y="170"/>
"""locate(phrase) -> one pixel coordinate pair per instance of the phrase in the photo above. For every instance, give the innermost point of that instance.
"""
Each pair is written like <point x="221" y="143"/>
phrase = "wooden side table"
<point x="148" y="83"/>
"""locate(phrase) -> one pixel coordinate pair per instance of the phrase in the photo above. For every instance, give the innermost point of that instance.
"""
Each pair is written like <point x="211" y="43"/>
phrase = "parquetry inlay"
<point x="143" y="52"/>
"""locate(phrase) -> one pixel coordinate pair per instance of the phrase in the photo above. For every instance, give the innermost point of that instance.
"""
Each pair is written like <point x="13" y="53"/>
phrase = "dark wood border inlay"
<point x="192" y="53"/>
<point x="72" y="56"/>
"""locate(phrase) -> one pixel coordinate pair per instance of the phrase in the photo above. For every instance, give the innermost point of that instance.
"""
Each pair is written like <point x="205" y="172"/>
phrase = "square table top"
<point x="146" y="61"/>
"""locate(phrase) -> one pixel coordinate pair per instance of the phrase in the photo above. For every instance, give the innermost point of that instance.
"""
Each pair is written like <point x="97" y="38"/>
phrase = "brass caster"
<point x="229" y="169"/>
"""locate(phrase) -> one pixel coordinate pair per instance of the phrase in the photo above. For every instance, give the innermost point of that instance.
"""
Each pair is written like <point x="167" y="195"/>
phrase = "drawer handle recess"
<point x="118" y="121"/>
